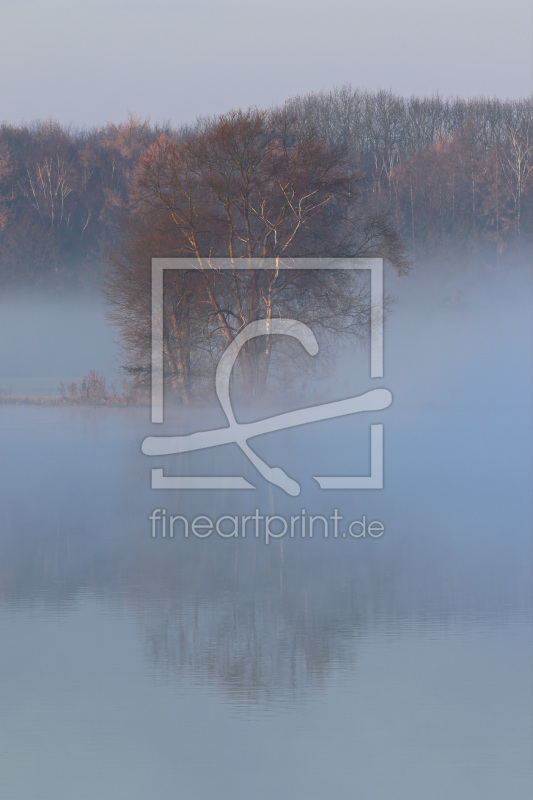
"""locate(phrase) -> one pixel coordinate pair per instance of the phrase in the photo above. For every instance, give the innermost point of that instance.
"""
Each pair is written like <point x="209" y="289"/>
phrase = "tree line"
<point x="449" y="174"/>
<point x="454" y="173"/>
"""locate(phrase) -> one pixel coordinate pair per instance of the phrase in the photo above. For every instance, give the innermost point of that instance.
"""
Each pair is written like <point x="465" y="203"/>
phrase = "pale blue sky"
<point x="90" y="62"/>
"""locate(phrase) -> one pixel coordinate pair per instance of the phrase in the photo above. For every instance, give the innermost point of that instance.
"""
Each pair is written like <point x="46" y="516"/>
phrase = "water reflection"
<point x="358" y="667"/>
<point x="264" y="621"/>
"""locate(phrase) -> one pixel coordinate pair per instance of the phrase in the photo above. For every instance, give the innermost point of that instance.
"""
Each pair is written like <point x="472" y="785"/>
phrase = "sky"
<point x="88" y="63"/>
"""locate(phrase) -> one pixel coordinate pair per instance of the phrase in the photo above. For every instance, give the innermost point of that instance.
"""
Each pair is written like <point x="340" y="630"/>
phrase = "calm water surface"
<point x="398" y="667"/>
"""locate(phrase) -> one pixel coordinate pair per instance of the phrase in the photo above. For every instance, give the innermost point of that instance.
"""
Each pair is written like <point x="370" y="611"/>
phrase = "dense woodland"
<point x="452" y="176"/>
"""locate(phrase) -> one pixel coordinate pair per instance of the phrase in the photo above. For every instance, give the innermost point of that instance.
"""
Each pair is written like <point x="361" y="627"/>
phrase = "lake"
<point x="399" y="665"/>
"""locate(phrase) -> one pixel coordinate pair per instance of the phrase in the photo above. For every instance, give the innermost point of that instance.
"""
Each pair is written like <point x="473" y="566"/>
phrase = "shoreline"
<point x="57" y="400"/>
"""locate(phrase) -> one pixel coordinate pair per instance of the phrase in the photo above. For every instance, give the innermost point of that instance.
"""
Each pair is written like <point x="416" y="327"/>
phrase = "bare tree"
<point x="248" y="185"/>
<point x="518" y="160"/>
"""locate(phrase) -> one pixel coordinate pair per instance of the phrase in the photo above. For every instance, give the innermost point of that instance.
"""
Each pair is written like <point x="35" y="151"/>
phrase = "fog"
<point x="297" y="627"/>
<point x="51" y="337"/>
<point x="457" y="444"/>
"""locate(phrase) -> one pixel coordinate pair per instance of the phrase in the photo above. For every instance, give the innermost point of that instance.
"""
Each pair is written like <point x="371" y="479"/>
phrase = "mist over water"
<point x="51" y="337"/>
<point x="305" y="667"/>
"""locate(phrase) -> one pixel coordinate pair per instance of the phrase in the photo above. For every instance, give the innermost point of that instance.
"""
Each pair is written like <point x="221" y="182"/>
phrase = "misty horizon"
<point x="266" y="348"/>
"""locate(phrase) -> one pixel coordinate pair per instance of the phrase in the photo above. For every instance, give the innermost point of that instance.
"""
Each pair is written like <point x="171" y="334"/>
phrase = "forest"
<point x="443" y="176"/>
